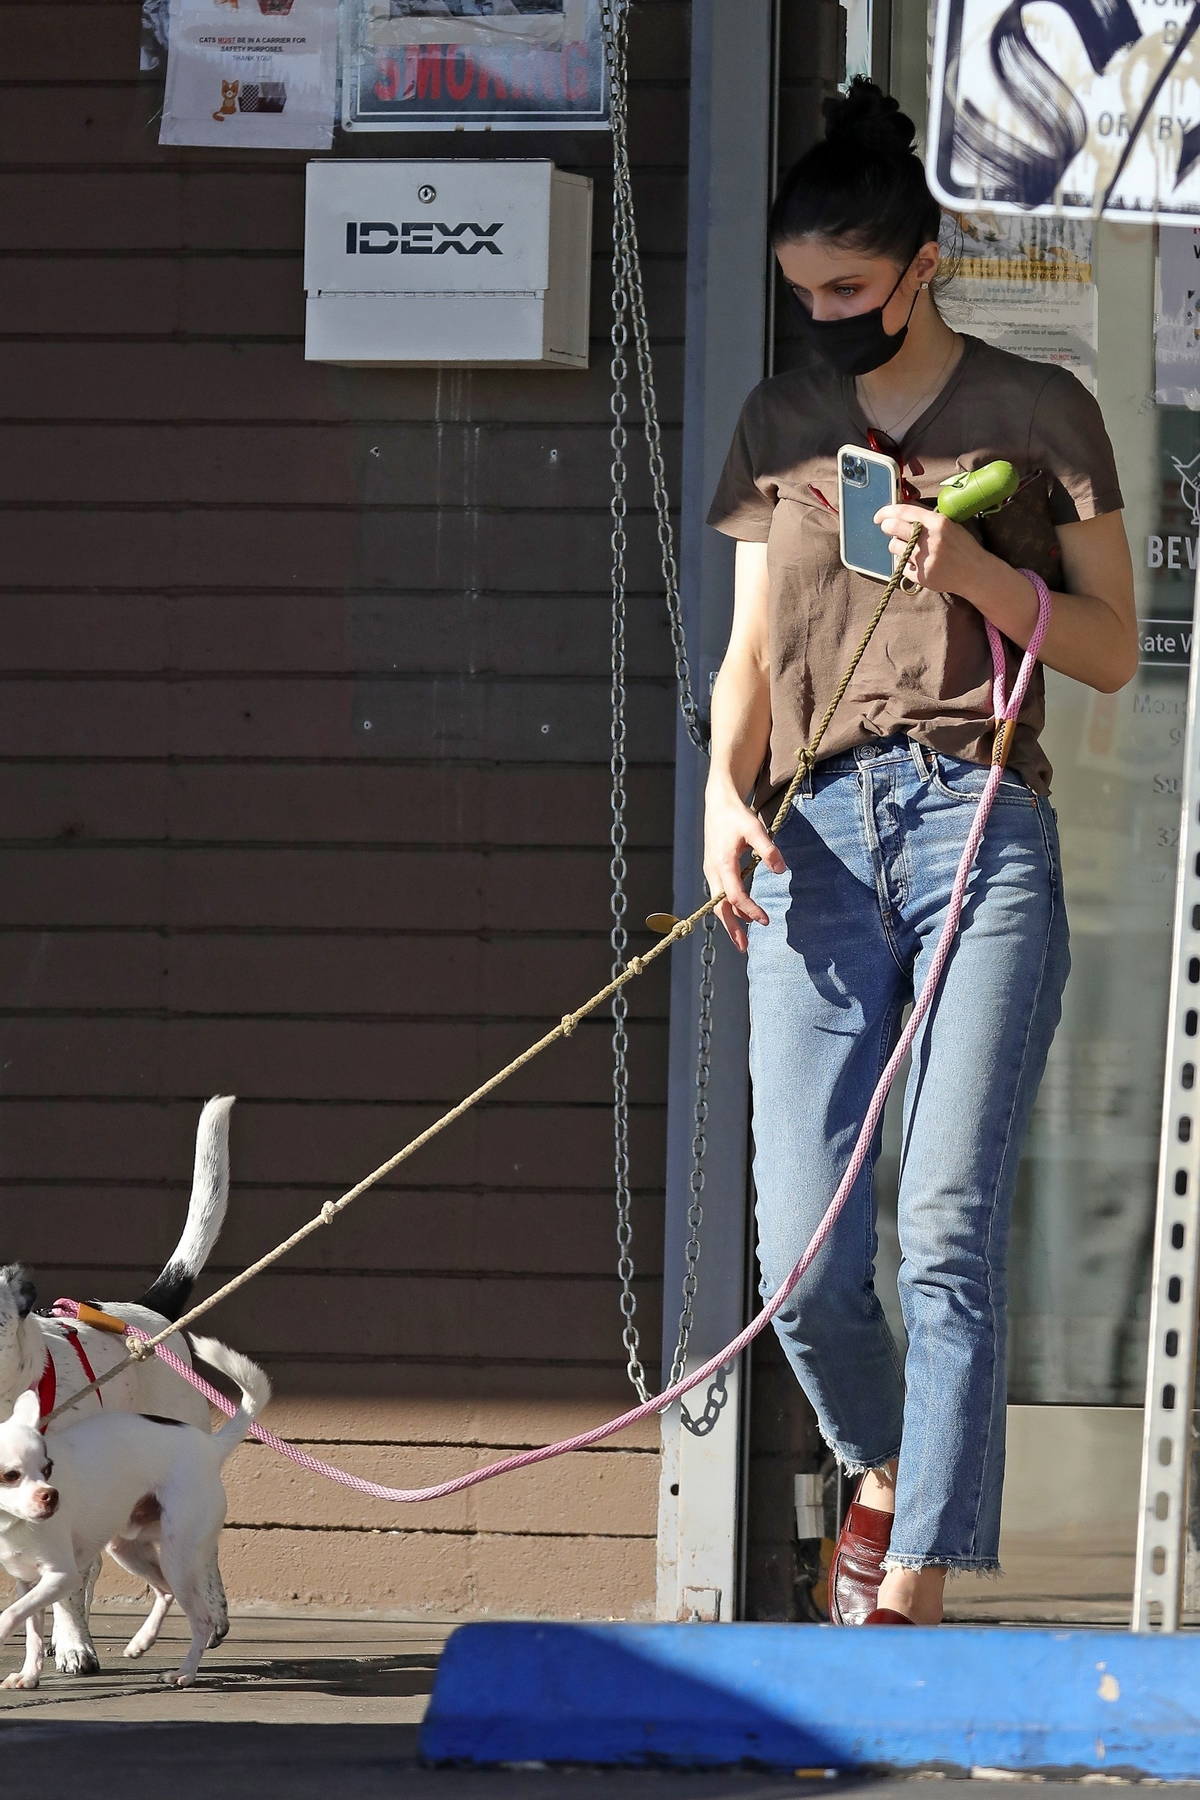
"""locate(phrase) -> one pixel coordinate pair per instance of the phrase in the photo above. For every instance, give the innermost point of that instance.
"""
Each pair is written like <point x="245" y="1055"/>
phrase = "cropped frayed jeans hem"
<point x="849" y="1466"/>
<point x="871" y="845"/>
<point x="954" y="1565"/>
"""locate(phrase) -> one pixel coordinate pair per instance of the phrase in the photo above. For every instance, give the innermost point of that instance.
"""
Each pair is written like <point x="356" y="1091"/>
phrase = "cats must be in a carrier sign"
<point x="1070" y="106"/>
<point x="251" y="74"/>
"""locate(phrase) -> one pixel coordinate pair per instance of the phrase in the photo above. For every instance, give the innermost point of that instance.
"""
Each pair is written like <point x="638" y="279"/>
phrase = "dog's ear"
<point x="22" y="1284"/>
<point x="27" y="1410"/>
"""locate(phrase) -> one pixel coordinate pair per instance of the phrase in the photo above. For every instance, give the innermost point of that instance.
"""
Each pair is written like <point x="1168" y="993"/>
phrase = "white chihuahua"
<point x="62" y="1359"/>
<point x="147" y="1490"/>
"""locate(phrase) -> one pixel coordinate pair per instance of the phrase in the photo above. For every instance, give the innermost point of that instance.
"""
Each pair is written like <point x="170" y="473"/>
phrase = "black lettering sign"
<point x="421" y="237"/>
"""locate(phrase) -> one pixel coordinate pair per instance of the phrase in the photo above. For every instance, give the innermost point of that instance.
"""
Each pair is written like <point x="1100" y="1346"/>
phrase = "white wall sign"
<point x="252" y="76"/>
<point x="1068" y="106"/>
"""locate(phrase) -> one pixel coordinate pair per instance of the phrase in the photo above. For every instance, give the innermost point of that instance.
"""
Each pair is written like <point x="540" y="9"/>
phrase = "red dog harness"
<point x="46" y="1386"/>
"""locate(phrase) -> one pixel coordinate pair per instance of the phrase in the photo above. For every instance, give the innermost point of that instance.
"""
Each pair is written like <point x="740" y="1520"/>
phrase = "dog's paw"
<point x="134" y="1649"/>
<point x="17" y="1680"/>
<point x="77" y="1659"/>
<point x="178" y="1680"/>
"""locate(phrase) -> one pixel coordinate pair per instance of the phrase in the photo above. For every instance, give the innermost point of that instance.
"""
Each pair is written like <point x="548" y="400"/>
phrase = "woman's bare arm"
<point x="741" y="733"/>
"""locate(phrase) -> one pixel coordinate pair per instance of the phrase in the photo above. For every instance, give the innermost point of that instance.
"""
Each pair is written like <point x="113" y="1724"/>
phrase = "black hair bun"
<point x="869" y="118"/>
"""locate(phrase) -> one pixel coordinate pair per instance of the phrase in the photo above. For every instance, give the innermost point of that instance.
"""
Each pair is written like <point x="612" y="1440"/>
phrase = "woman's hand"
<point x="730" y="828"/>
<point x="947" y="558"/>
<point x="1092" y="635"/>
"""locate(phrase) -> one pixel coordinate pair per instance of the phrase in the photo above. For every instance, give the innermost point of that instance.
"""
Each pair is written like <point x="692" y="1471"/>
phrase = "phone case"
<point x="866" y="481"/>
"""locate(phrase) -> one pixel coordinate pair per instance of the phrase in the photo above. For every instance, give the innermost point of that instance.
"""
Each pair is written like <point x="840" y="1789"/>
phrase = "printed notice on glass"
<point x="1177" y="318"/>
<point x="251" y="74"/>
<point x="1025" y="285"/>
<point x="1079" y="108"/>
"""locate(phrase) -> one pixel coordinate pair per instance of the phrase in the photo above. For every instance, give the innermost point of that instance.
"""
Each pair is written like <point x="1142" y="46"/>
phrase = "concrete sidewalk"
<point x="302" y="1667"/>
<point x="327" y="1705"/>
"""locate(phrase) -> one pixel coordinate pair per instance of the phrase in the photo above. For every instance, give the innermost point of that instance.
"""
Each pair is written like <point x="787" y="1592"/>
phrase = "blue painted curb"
<point x="802" y="1697"/>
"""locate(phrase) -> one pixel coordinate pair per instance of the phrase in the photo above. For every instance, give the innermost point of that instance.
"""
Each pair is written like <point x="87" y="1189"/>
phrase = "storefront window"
<point x="1081" y="1268"/>
<point x="1085" y="1211"/>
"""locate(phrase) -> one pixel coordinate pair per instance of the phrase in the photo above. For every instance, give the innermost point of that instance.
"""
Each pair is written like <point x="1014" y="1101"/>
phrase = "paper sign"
<point x="1025" y="285"/>
<point x="257" y="76"/>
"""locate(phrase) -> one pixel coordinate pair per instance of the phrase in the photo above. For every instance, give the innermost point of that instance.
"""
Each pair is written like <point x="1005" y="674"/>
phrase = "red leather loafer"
<point x="886" y="1615"/>
<point x="857" y="1567"/>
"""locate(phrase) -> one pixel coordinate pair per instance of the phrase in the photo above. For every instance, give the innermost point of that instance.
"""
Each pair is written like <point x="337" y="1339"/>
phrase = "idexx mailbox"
<point x="482" y="263"/>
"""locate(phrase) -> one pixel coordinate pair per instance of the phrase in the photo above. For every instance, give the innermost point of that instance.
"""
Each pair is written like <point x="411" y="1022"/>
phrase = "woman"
<point x="845" y="909"/>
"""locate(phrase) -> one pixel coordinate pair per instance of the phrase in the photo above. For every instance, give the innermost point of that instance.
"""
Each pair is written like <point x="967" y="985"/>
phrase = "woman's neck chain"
<point x="893" y="430"/>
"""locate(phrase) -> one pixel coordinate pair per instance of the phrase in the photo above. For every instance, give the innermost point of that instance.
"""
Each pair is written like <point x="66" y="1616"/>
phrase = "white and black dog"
<point x="147" y="1490"/>
<point x="55" y="1357"/>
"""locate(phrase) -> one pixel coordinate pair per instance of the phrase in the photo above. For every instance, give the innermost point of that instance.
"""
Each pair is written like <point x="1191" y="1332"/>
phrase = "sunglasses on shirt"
<point x="883" y="445"/>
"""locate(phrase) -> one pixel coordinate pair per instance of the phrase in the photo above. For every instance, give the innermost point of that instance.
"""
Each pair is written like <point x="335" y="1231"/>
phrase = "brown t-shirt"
<point x="928" y="669"/>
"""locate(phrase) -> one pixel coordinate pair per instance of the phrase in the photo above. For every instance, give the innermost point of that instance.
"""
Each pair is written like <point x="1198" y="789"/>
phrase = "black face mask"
<point x="858" y="344"/>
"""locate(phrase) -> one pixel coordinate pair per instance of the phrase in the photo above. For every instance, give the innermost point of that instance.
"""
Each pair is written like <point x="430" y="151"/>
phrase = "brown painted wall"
<point x="219" y="565"/>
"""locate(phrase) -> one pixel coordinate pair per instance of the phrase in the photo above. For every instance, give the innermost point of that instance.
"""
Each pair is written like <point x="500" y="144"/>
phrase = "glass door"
<point x="1118" y="304"/>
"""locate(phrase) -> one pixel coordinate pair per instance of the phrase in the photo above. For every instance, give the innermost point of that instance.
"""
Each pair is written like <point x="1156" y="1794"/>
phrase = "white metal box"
<point x="447" y="261"/>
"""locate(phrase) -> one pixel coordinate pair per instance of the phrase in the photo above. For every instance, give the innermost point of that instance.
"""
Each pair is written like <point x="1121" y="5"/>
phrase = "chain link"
<point x="629" y="311"/>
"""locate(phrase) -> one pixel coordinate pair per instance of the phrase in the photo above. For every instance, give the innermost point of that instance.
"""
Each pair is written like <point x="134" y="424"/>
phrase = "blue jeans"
<point x="871" y="843"/>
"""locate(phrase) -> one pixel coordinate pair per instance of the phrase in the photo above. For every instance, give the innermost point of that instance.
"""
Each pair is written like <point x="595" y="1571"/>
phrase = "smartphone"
<point x="866" y="482"/>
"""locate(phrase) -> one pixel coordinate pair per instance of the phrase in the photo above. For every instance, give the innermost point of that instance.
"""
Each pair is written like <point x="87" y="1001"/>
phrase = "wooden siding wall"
<point x="303" y="796"/>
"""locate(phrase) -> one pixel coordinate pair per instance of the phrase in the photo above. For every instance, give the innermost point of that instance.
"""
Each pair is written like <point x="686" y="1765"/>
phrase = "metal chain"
<point x="614" y="17"/>
<point x="629" y="306"/>
<point x="695" y="1212"/>
<point x="618" y="868"/>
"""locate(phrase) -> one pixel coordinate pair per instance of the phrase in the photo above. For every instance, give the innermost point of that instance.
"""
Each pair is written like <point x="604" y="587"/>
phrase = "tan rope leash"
<point x="140" y="1348"/>
<point x="805" y="758"/>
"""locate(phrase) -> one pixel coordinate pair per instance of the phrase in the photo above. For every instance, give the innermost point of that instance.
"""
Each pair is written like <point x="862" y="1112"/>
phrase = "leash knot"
<point x="137" y="1348"/>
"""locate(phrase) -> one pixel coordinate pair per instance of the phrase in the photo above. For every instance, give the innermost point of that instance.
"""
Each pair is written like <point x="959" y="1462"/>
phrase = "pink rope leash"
<point x="1005" y="708"/>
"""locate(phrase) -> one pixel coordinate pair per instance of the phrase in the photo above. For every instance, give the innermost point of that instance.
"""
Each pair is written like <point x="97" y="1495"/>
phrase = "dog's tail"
<point x="256" y="1389"/>
<point x="171" y="1291"/>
